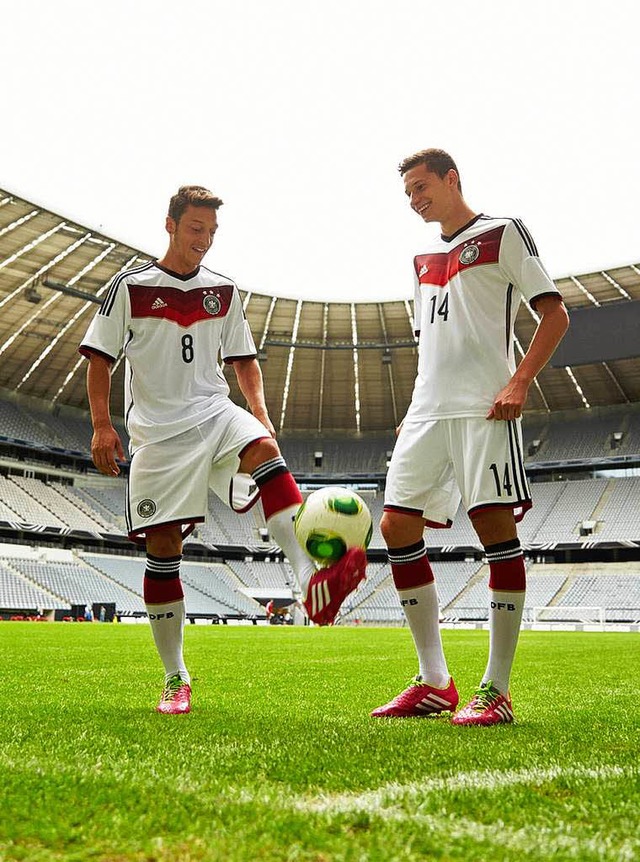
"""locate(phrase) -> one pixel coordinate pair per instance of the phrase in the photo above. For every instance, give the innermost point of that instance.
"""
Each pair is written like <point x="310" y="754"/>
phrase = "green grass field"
<point x="279" y="760"/>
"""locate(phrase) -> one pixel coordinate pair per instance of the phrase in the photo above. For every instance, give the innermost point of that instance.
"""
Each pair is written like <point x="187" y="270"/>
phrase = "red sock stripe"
<point x="159" y="592"/>
<point x="279" y="493"/>
<point x="508" y="575"/>
<point x="406" y="576"/>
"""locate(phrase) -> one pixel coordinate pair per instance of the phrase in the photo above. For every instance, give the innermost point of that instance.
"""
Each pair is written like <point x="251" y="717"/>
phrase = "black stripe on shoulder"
<point x="107" y="302"/>
<point x="526" y="237"/>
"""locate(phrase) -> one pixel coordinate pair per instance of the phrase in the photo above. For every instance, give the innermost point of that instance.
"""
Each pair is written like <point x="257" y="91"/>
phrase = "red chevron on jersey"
<point x="184" y="307"/>
<point x="438" y="269"/>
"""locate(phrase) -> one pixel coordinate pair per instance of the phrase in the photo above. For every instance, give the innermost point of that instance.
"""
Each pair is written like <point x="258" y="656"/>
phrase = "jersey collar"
<point x="462" y="229"/>
<point x="178" y="274"/>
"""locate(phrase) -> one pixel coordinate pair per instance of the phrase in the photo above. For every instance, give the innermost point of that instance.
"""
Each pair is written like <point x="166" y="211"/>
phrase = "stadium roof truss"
<point x="328" y="366"/>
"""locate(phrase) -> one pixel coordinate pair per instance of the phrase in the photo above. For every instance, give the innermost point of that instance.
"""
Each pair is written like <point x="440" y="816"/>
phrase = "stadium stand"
<point x="15" y="423"/>
<point x="55" y="500"/>
<point x="613" y="587"/>
<point x="109" y="497"/>
<point x="27" y="508"/>
<point x="376" y="600"/>
<point x="585" y="510"/>
<point x="51" y="493"/>
<point x="586" y="434"/>
<point x="603" y="590"/>
<point x="213" y="589"/>
<point x="77" y="584"/>
<point x="619" y="516"/>
<point x="575" y="504"/>
<point x="225" y="527"/>
<point x="243" y="570"/>
<point x="19" y="594"/>
<point x="274" y="575"/>
<point x="219" y="582"/>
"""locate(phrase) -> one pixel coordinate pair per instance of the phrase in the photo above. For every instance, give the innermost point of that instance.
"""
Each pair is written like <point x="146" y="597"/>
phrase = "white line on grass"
<point x="403" y="802"/>
<point x="373" y="800"/>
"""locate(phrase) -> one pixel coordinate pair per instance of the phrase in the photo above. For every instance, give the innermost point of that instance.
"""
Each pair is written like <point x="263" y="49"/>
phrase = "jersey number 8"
<point x="187" y="348"/>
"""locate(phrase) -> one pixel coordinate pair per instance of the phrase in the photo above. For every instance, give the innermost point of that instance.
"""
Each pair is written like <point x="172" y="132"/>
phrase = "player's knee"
<point x="262" y="450"/>
<point x="165" y="543"/>
<point x="494" y="526"/>
<point x="398" y="529"/>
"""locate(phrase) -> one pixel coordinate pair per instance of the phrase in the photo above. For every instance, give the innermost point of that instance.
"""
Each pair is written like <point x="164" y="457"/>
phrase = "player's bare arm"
<point x="106" y="445"/>
<point x="249" y="376"/>
<point x="554" y="322"/>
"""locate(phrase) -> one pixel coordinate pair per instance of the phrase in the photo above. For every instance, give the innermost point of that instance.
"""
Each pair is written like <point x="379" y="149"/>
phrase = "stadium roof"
<point x="327" y="366"/>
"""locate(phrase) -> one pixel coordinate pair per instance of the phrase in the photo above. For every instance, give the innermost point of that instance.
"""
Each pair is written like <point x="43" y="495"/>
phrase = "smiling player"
<point x="461" y="437"/>
<point x="173" y="318"/>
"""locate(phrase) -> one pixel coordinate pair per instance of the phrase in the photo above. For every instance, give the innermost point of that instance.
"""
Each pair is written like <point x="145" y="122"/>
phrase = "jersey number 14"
<point x="441" y="310"/>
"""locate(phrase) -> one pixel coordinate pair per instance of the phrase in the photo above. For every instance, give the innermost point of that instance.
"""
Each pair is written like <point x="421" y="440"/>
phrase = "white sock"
<point x="280" y="526"/>
<point x="167" y="625"/>
<point x="505" y="615"/>
<point x="421" y="608"/>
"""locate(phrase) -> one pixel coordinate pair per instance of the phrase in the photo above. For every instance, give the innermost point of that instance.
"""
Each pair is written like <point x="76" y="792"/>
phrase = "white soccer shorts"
<point x="436" y="464"/>
<point x="169" y="480"/>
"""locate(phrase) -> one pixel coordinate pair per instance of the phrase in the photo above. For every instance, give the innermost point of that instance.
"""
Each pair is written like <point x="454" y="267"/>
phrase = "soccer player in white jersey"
<point x="173" y="318"/>
<point x="461" y="436"/>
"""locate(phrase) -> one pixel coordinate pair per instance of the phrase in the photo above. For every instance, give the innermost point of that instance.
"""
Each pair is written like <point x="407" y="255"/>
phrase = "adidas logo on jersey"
<point x="424" y="269"/>
<point x="158" y="303"/>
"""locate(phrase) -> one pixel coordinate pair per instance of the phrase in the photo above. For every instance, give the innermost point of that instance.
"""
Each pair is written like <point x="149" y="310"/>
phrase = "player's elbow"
<point x="564" y="320"/>
<point x="555" y="315"/>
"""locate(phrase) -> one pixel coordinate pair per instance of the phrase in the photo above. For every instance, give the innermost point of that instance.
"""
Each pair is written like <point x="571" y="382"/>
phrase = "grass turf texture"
<point x="280" y="761"/>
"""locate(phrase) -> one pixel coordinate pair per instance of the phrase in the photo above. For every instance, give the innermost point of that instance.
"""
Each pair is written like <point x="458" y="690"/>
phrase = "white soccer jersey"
<point x="172" y="329"/>
<point x="467" y="291"/>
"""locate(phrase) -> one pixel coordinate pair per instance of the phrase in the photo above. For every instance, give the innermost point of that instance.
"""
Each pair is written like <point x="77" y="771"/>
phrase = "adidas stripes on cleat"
<point x="488" y="706"/>
<point x="420" y="700"/>
<point x="329" y="587"/>
<point x="176" y="697"/>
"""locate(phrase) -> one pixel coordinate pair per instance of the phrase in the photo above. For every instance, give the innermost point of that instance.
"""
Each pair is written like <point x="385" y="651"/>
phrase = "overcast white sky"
<point x="298" y="113"/>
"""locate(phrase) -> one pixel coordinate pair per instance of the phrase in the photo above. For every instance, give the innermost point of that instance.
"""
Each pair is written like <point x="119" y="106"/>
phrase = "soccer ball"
<point x="330" y="521"/>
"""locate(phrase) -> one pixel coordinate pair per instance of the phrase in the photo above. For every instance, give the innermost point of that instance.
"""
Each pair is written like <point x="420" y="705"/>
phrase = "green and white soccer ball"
<point x="330" y="522"/>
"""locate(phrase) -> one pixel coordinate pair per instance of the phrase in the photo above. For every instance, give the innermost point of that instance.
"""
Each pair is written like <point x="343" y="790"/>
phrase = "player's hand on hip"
<point x="106" y="447"/>
<point x="509" y="402"/>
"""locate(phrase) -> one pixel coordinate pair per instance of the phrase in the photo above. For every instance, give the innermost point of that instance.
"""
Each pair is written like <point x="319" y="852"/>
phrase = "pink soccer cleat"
<point x="330" y="586"/>
<point x="176" y="697"/>
<point x="488" y="706"/>
<point x="420" y="700"/>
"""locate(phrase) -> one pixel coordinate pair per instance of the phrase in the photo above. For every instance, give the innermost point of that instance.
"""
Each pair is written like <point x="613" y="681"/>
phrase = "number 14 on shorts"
<point x="502" y="478"/>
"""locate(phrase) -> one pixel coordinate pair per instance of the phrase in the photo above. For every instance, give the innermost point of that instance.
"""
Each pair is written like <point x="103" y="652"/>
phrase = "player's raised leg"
<point x="432" y="691"/>
<point x="164" y="600"/>
<point x="324" y="591"/>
